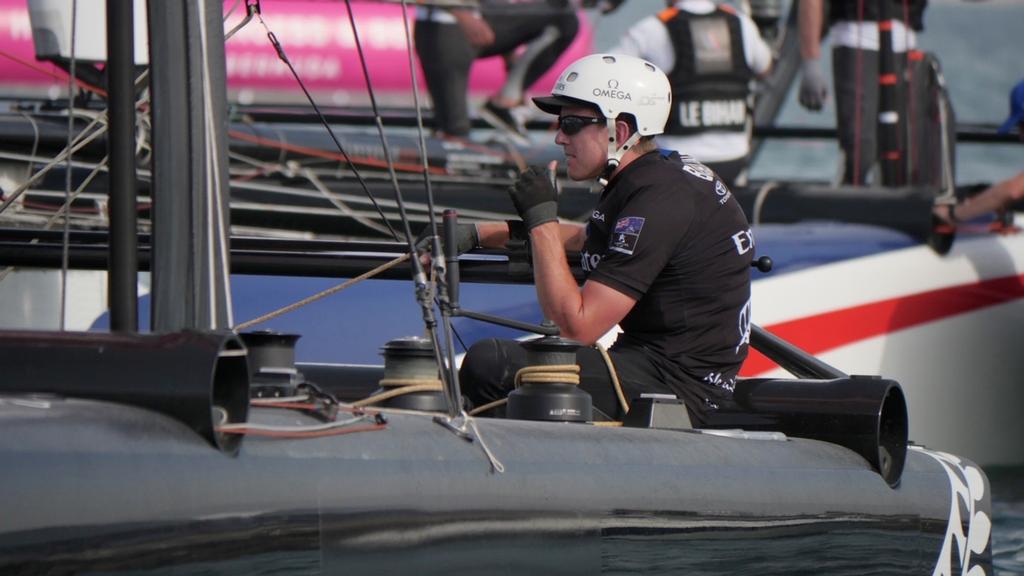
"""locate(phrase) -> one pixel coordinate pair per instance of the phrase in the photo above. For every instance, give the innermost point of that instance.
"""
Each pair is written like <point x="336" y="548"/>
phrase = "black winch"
<point x="272" y="363"/>
<point x="547" y="389"/>
<point x="411" y="373"/>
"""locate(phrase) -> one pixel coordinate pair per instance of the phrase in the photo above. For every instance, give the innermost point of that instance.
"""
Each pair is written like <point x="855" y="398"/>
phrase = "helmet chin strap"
<point x="615" y="152"/>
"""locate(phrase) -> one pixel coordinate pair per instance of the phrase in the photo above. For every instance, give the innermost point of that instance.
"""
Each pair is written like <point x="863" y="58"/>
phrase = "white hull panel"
<point x="948" y="328"/>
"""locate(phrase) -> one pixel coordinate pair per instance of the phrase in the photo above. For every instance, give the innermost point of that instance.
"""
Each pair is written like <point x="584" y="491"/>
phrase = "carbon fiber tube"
<point x="195" y="377"/>
<point x="866" y="414"/>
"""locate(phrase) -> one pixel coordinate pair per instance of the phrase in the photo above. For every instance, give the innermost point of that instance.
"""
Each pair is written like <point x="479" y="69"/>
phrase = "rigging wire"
<point x="422" y="288"/>
<point x="323" y="120"/>
<point x="35" y="142"/>
<point x="339" y="204"/>
<point x="437" y="260"/>
<point x="82" y="140"/>
<point x="249" y="11"/>
<point x="66" y="239"/>
<point x="421" y="133"/>
<point x="217" y="244"/>
<point x="380" y="128"/>
<point x="65" y="208"/>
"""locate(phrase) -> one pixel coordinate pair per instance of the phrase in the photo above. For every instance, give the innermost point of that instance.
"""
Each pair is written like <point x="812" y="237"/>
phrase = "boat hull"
<point x="100" y="487"/>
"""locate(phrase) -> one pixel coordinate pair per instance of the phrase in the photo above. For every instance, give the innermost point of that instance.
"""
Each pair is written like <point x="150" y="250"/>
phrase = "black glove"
<point x="535" y="198"/>
<point x="813" y="88"/>
<point x="466" y="237"/>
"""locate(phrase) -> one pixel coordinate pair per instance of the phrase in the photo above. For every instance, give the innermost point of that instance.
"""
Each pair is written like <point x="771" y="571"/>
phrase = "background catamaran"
<point x="868" y="298"/>
<point x="191" y="450"/>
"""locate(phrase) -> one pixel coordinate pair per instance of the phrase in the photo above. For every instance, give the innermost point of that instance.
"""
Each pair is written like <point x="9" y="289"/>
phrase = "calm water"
<point x="1007" y="519"/>
<point x="975" y="42"/>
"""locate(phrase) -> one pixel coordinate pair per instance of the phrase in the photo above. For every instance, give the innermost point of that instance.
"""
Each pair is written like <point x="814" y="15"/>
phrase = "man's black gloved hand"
<point x="466" y="238"/>
<point x="535" y="198"/>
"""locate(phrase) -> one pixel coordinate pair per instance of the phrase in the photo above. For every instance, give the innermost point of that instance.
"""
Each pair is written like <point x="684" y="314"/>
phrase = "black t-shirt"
<point x="669" y="233"/>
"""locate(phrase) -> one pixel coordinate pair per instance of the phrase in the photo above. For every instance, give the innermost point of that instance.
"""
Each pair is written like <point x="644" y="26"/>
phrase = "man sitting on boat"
<point x="666" y="251"/>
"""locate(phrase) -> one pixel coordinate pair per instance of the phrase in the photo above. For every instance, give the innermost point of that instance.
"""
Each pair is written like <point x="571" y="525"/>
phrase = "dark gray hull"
<point x="93" y="487"/>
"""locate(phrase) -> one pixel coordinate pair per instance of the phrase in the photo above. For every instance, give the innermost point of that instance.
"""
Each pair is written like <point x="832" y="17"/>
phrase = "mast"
<point x="890" y="121"/>
<point x="191" y="287"/>
<point x="122" y="283"/>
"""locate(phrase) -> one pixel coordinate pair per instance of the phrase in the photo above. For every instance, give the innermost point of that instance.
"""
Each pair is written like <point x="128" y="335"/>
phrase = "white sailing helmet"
<point x="615" y="84"/>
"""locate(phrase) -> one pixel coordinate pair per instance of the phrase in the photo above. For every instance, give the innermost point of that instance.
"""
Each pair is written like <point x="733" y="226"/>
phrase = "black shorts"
<point x="489" y="368"/>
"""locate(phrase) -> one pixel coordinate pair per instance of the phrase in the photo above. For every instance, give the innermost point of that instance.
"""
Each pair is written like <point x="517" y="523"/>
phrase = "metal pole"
<point x="121" y="278"/>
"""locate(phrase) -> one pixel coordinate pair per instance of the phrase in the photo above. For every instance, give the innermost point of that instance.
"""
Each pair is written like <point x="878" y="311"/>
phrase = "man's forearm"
<point x="496" y="234"/>
<point x="492" y="234"/>
<point x="557" y="291"/>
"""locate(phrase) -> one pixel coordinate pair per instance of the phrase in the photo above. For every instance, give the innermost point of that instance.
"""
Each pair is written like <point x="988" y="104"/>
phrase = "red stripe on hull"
<point x="830" y="330"/>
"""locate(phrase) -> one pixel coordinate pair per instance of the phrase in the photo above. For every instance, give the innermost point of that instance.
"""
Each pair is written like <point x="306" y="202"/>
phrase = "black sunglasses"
<point x="571" y="125"/>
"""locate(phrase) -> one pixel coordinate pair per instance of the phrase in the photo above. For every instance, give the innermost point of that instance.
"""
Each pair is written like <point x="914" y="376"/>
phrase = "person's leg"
<point x="446" y="57"/>
<point x="567" y="25"/>
<point x="855" y="79"/>
<point x="635" y="374"/>
<point x="546" y="36"/>
<point x="489" y="368"/>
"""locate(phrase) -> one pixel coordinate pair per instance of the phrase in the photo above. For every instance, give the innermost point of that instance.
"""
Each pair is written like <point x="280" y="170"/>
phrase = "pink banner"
<point x="318" y="39"/>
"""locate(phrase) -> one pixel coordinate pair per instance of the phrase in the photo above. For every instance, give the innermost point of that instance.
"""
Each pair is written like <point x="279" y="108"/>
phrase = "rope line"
<point x="548" y="374"/>
<point x="428" y="385"/>
<point x="488" y="406"/>
<point x="496" y="465"/>
<point x="615" y="378"/>
<point x="322" y="294"/>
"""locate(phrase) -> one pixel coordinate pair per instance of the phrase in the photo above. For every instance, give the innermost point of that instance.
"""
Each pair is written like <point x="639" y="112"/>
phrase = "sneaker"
<point x="501" y="118"/>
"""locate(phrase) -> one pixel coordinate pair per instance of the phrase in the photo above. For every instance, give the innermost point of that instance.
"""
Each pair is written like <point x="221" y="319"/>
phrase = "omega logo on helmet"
<point x="613" y="84"/>
<point x="613" y="94"/>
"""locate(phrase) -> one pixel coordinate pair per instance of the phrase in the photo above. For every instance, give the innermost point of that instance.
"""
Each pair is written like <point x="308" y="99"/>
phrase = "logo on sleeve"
<point x="723" y="192"/>
<point x="627" y="232"/>
<point x="699" y="170"/>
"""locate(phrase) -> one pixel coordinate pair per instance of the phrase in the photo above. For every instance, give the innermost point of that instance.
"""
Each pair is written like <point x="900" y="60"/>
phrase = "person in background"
<point x="448" y="40"/>
<point x="666" y="251"/>
<point x="711" y="53"/>
<point x="1000" y="195"/>
<point x="853" y="27"/>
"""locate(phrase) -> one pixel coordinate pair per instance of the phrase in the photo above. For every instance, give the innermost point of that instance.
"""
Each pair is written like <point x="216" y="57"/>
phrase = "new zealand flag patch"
<point x="627" y="232"/>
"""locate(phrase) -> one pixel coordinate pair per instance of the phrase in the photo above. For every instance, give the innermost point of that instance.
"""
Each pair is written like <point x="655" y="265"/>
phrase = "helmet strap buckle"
<point x="615" y="152"/>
